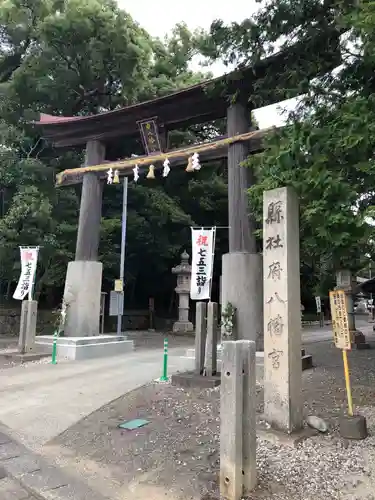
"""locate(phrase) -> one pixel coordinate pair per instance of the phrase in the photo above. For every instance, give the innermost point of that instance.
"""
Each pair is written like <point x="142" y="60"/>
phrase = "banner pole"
<point x="213" y="258"/>
<point x="32" y="284"/>
<point x="347" y="383"/>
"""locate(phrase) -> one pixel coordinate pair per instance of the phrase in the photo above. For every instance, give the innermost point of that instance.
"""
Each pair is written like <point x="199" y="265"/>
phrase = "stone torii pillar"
<point x="242" y="268"/>
<point x="84" y="276"/>
<point x="183" y="272"/>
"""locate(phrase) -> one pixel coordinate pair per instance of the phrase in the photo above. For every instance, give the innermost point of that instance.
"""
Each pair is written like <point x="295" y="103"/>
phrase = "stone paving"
<point x="25" y="475"/>
<point x="11" y="490"/>
<point x="39" y="401"/>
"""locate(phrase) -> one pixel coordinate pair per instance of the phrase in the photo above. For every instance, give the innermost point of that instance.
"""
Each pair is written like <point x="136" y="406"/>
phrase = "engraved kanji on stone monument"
<point x="274" y="213"/>
<point x="273" y="242"/>
<point x="282" y="321"/>
<point x="274" y="271"/>
<point x="275" y="325"/>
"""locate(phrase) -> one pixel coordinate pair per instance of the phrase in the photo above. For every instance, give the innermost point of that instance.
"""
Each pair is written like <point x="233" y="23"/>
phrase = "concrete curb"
<point x="37" y="476"/>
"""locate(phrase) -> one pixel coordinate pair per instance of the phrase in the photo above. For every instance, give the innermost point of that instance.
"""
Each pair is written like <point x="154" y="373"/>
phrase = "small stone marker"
<point x="238" y="420"/>
<point x="282" y="318"/>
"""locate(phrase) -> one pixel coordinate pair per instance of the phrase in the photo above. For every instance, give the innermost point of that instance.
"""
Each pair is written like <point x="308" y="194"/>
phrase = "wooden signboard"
<point x="150" y="136"/>
<point x="340" y="323"/>
<point x="119" y="286"/>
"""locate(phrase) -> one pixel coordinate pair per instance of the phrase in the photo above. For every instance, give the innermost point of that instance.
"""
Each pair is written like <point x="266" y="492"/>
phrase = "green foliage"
<point x="77" y="57"/>
<point x="326" y="151"/>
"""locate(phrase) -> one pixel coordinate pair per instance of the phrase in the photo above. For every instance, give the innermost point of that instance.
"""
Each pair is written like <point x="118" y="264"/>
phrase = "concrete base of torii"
<point x="81" y="339"/>
<point x="82" y="348"/>
<point x="82" y="296"/>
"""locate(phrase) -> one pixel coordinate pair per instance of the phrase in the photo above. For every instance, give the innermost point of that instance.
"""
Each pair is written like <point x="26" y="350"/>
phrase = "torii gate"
<point x="242" y="266"/>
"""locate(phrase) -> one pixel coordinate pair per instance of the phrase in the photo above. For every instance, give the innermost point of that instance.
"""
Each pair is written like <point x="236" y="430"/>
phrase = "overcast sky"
<point x="159" y="17"/>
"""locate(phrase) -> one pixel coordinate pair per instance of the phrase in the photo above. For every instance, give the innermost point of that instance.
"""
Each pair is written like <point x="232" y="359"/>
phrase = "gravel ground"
<point x="176" y="455"/>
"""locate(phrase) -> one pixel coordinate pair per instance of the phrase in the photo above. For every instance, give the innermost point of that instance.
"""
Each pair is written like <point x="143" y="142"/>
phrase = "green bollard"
<point x="164" y="377"/>
<point x="54" y="348"/>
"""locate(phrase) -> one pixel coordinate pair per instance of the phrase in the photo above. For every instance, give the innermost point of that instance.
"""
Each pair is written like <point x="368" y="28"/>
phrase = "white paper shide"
<point x="203" y="243"/>
<point x="29" y="259"/>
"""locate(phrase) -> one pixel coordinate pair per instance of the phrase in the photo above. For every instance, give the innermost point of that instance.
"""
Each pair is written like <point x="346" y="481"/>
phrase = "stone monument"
<point x="183" y="272"/>
<point x="282" y="318"/>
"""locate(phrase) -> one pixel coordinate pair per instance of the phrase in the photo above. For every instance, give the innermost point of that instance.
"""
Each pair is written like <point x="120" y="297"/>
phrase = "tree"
<point x="78" y="57"/>
<point x="326" y="150"/>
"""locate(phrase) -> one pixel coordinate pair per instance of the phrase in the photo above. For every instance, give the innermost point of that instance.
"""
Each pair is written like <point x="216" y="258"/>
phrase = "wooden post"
<point x="249" y="435"/>
<point x="91" y="206"/>
<point x="200" y="336"/>
<point x="231" y="408"/>
<point x="238" y="419"/>
<point x="241" y="226"/>
<point x="211" y="339"/>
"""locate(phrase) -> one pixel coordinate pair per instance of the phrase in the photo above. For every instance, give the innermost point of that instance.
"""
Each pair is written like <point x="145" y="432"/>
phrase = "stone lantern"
<point x="183" y="272"/>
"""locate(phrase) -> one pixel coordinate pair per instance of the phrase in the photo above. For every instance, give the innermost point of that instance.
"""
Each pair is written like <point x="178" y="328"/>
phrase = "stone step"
<point x="79" y="348"/>
<point x="97" y="339"/>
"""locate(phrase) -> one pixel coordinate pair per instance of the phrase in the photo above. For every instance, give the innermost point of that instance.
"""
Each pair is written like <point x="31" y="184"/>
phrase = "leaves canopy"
<point x="326" y="151"/>
<point x="79" y="57"/>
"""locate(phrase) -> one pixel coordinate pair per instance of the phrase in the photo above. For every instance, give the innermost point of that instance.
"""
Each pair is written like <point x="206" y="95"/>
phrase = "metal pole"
<point x="54" y="348"/>
<point x="213" y="258"/>
<point x="123" y="245"/>
<point x="347" y="383"/>
<point x="164" y="377"/>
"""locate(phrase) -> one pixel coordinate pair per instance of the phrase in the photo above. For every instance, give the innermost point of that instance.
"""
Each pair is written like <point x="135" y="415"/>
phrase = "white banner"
<point x="202" y="262"/>
<point x="29" y="259"/>
<point x="318" y="304"/>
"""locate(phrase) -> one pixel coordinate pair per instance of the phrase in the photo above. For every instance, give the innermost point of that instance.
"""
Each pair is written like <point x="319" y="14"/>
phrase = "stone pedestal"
<point x="83" y="296"/>
<point x="183" y="272"/>
<point x="242" y="286"/>
<point x="26" y="342"/>
<point x="282" y="318"/>
<point x="183" y="325"/>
